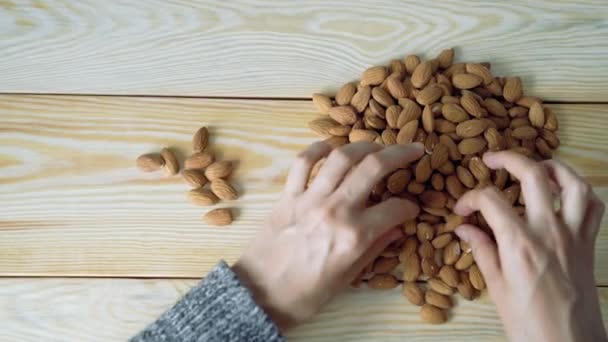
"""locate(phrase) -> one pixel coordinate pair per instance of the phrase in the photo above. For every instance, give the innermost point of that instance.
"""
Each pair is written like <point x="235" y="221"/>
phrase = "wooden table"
<point x="92" y="249"/>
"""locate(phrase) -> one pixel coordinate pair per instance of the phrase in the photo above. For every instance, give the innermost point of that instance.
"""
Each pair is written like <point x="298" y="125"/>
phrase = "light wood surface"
<point x="73" y="204"/>
<point x="116" y="309"/>
<point x="291" y="48"/>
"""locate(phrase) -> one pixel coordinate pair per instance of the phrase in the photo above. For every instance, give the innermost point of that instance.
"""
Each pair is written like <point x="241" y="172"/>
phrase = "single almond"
<point x="445" y="58"/>
<point x="479" y="170"/>
<point x="476" y="278"/>
<point x="195" y="178"/>
<point x="466" y="81"/>
<point x="396" y="88"/>
<point x="398" y="181"/>
<point x="389" y="137"/>
<point x="382" y="97"/>
<point x="411" y="267"/>
<point x="149" y="162"/>
<point x="537" y="115"/>
<point x="407" y="132"/>
<point x="455" y="69"/>
<point x="382" y="282"/>
<point x="429" y="267"/>
<point x="449" y="275"/>
<point x="430" y="94"/>
<point x="374" y="75"/>
<point x="451" y="253"/>
<point x="454" y="112"/>
<point x="202" y="197"/>
<point x="413" y="293"/>
<point x="383" y="265"/>
<point x="432" y="314"/>
<point x="437" y="182"/>
<point x="440" y="156"/>
<point x="430" y="142"/>
<point x="220" y="169"/>
<point x="525" y="133"/>
<point x="422" y="74"/>
<point x="465" y="288"/>
<point x="170" y="161"/>
<point x="551" y="122"/>
<point x="542" y="147"/>
<point x="426" y="250"/>
<point x="345" y="94"/>
<point x="362" y="135"/>
<point x="481" y="71"/>
<point x="495" y="107"/>
<point x="392" y="115"/>
<point x="440" y="286"/>
<point x="495" y="139"/>
<point x="437" y="299"/>
<point x="410" y="246"/>
<point x="340" y="130"/>
<point x="527" y="101"/>
<point x="411" y="112"/>
<point x="411" y="62"/>
<point x="446" y="169"/>
<point x="512" y="193"/>
<point x="360" y="99"/>
<point x="518" y="112"/>
<point x="218" y="217"/>
<point x="344" y="115"/>
<point x="518" y="122"/>
<point x="373" y="121"/>
<point x="464" y="262"/>
<point x="199" y="160"/>
<point x="424" y="231"/>
<point x="471" y="128"/>
<point x="442" y="240"/>
<point x="423" y="169"/>
<point x="471" y="105"/>
<point x="397" y="66"/>
<point x="200" y="139"/>
<point x="336" y="141"/>
<point x="454" y="186"/>
<point x="471" y="145"/>
<point x="465" y="177"/>
<point x="415" y="187"/>
<point x="322" y="103"/>
<point x="223" y="190"/>
<point x="452" y="147"/>
<point x="512" y="91"/>
<point x="322" y="126"/>
<point x="376" y="109"/>
<point x="450" y="99"/>
<point x="550" y="137"/>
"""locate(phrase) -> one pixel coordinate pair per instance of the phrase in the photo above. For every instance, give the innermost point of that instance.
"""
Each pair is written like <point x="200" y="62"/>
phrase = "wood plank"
<point x="115" y="309"/>
<point x="280" y="49"/>
<point x="73" y="204"/>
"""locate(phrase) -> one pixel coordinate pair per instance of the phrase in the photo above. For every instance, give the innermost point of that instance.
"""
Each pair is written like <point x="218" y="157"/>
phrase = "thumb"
<point x="484" y="252"/>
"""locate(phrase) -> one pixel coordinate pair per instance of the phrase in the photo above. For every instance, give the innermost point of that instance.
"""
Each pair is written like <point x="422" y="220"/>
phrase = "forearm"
<point x="219" y="308"/>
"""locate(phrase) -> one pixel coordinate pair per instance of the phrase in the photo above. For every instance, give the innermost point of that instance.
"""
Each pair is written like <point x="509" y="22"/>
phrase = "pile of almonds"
<point x="206" y="176"/>
<point x="458" y="111"/>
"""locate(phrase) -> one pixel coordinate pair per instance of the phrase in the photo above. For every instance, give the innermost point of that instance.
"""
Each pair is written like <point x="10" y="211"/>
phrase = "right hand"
<point x="539" y="272"/>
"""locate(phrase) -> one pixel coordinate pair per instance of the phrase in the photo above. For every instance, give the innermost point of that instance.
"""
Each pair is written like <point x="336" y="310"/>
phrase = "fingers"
<point x="575" y="193"/>
<point x="370" y="254"/>
<point x="379" y="218"/>
<point x="534" y="184"/>
<point x="499" y="214"/>
<point x="300" y="170"/>
<point x="591" y="225"/>
<point x="339" y="162"/>
<point x="484" y="252"/>
<point x="358" y="185"/>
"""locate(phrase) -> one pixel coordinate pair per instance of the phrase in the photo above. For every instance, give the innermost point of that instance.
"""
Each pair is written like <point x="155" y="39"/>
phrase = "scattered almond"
<point x="218" y="217"/>
<point x="150" y="162"/>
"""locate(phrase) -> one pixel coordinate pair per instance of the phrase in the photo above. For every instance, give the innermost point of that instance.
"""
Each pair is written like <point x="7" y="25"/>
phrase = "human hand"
<point x="320" y="237"/>
<point x="539" y="272"/>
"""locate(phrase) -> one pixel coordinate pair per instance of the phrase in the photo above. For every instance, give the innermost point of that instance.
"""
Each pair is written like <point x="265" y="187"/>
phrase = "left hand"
<point x="319" y="238"/>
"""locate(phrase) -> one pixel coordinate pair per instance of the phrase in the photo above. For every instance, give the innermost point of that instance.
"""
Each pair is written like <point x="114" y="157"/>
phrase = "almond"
<point x="432" y="314"/>
<point x="372" y="121"/>
<point x="430" y="94"/>
<point x="433" y="199"/>
<point x="344" y="115"/>
<point x="452" y="222"/>
<point x="422" y="74"/>
<point x="202" y="197"/>
<point x="444" y="126"/>
<point x="382" y="97"/>
<point x="437" y="299"/>
<point x="479" y="169"/>
<point x="442" y="240"/>
<point x="415" y="187"/>
<point x="430" y="142"/>
<point x="527" y="101"/>
<point x="471" y="145"/>
<point x="449" y="275"/>
<point x="451" y="253"/>
<point x="218" y="217"/>
<point x="445" y="58"/>
<point x="464" y="262"/>
<point x="465" y="177"/>
<point x="199" y="160"/>
<point x="471" y="105"/>
<point x="407" y="132"/>
<point x="411" y="267"/>
<point x="322" y="126"/>
<point x="322" y="103"/>
<point x="454" y="186"/>
<point x="495" y="107"/>
<point x="550" y="120"/>
<point x="194" y="177"/>
<point x="345" y="94"/>
<point x="411" y="112"/>
<point x="465" y="288"/>
<point x="382" y="282"/>
<point x="340" y="130"/>
<point x="200" y="139"/>
<point x="439" y="286"/>
<point x="470" y="128"/>
<point x="220" y="169"/>
<point x="223" y="190"/>
<point x="495" y="139"/>
<point x="170" y="161"/>
<point x="525" y="133"/>
<point x="374" y="75"/>
<point x="440" y="155"/>
<point x="512" y="193"/>
<point x="466" y="81"/>
<point x="397" y="66"/>
<point x="396" y="88"/>
<point x="424" y="231"/>
<point x="450" y="99"/>
<point x="426" y="250"/>
<point x="360" y="99"/>
<point x="392" y="116"/>
<point x="149" y="162"/>
<point x="410" y="246"/>
<point x="423" y="169"/>
<point x="476" y="278"/>
<point x="512" y="91"/>
<point x="398" y="181"/>
<point x="454" y="113"/>
<point x="518" y="122"/>
<point x="437" y="181"/>
<point x="336" y="141"/>
<point x="389" y="137"/>
<point x="411" y="62"/>
<point x="446" y="169"/>
<point x="413" y="293"/>
<point x="429" y="267"/>
<point x="537" y="115"/>
<point x="481" y="71"/>
<point x="518" y="112"/>
<point x="452" y="147"/>
<point x="384" y="265"/>
<point x="550" y="137"/>
<point x="454" y="69"/>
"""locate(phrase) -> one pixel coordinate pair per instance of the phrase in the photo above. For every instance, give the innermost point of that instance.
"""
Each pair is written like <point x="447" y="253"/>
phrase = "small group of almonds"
<point x="458" y="111"/>
<point x="206" y="176"/>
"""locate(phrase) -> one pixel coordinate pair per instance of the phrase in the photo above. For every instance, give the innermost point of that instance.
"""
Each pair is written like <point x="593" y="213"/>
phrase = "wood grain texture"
<point x="291" y="48"/>
<point x="116" y="309"/>
<point x="73" y="204"/>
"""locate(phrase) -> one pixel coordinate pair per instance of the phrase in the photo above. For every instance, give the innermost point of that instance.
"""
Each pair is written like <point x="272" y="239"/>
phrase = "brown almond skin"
<point x="413" y="293"/>
<point x="149" y="162"/>
<point x="437" y="299"/>
<point x="218" y="217"/>
<point x="202" y="197"/>
<point x="432" y="314"/>
<point x="200" y="139"/>
<point x="219" y="169"/>
<point x="322" y="103"/>
<point x="195" y="178"/>
<point x="199" y="160"/>
<point x="171" y="163"/>
<point x="223" y="190"/>
<point x="383" y="282"/>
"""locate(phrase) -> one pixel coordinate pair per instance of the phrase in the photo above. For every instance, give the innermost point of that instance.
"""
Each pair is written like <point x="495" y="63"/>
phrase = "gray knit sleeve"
<point x="219" y="308"/>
